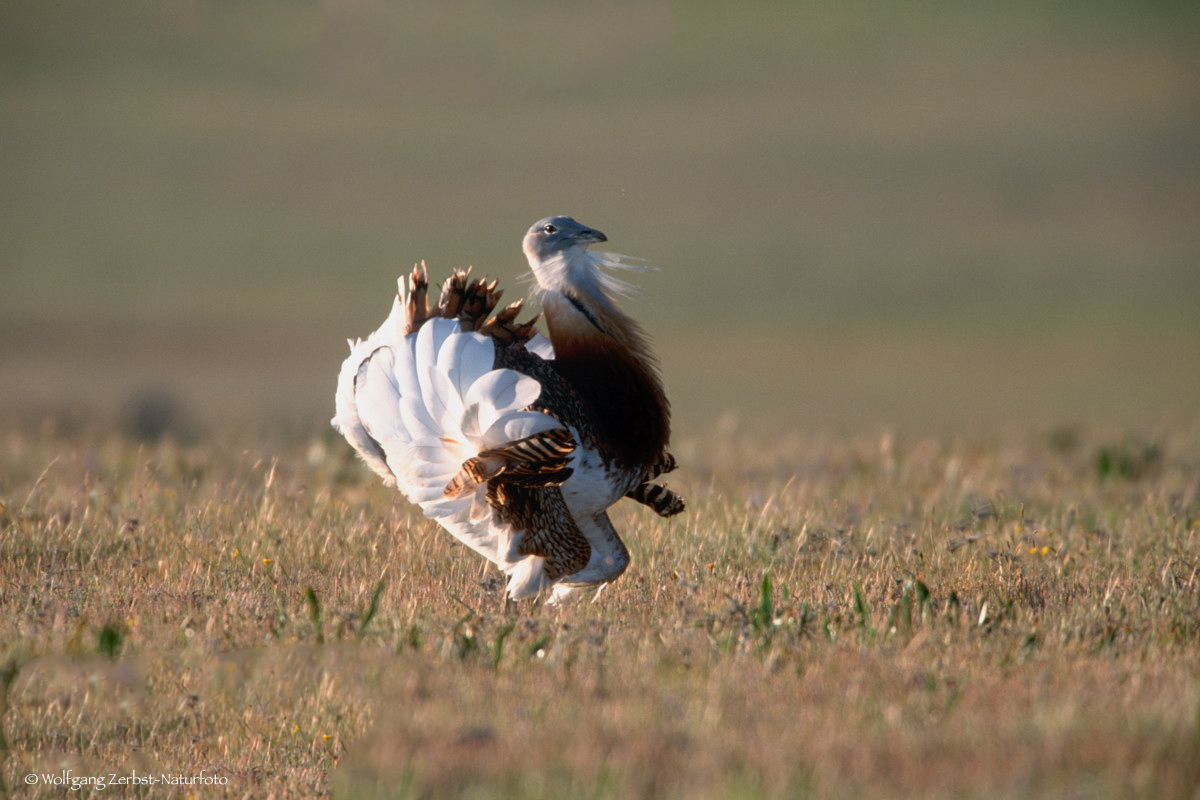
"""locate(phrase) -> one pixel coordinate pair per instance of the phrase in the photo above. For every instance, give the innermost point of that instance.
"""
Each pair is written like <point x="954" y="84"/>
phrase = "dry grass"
<point x="1017" y="617"/>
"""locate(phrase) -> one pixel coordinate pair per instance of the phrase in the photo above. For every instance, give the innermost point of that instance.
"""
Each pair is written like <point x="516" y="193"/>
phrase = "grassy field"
<point x="926" y="312"/>
<point x="836" y="617"/>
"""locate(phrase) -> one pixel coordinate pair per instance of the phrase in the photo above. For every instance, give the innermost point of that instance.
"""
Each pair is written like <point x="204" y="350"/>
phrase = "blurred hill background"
<point x="924" y="216"/>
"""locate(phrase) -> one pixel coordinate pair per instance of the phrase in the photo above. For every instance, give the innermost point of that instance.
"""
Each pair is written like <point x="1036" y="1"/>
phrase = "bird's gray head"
<point x="553" y="236"/>
<point x="557" y="248"/>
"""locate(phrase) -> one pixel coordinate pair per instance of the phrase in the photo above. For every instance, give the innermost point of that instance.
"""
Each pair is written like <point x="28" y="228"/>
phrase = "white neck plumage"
<point x="577" y="271"/>
<point x="576" y="294"/>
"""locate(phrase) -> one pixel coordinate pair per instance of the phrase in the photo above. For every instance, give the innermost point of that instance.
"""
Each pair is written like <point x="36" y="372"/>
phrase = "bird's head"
<point x="554" y="245"/>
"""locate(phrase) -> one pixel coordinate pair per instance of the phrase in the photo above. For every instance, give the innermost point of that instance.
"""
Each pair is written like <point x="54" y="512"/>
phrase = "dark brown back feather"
<point x="624" y="400"/>
<point x="603" y="355"/>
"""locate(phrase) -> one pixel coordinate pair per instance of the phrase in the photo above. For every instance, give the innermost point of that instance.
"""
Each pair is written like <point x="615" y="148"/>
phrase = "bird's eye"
<point x="548" y="228"/>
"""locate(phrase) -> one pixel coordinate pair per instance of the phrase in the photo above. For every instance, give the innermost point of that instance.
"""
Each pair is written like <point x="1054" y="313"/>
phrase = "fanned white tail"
<point x="417" y="406"/>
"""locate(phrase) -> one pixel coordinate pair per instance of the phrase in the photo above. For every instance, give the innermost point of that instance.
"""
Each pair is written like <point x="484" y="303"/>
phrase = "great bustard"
<point x="517" y="445"/>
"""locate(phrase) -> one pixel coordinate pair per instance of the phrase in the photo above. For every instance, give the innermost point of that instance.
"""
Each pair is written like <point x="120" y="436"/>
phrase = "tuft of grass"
<point x="314" y="614"/>
<point x="108" y="641"/>
<point x="372" y="609"/>
<point x="763" y="617"/>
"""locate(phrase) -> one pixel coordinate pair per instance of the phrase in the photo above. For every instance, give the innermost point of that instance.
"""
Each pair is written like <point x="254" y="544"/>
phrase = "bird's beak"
<point x="587" y="236"/>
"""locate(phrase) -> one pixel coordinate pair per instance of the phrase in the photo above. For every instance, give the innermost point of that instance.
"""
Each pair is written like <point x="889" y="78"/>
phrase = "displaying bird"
<point x="517" y="444"/>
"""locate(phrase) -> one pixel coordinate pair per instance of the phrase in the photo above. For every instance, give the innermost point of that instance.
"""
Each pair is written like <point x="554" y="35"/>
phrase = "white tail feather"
<point x="346" y="419"/>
